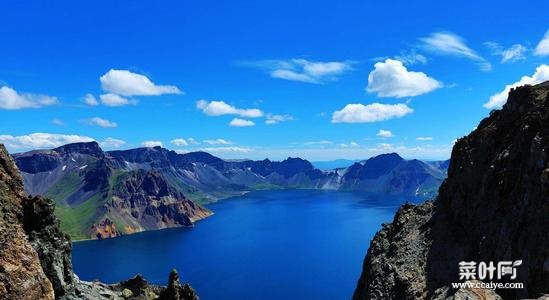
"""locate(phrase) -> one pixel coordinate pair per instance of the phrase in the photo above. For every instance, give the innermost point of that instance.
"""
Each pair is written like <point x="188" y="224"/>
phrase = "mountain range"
<point x="101" y="194"/>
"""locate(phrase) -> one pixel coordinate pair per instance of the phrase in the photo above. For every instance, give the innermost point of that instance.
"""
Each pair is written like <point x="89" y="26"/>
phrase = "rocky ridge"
<point x="35" y="255"/>
<point x="101" y="194"/>
<point x="492" y="207"/>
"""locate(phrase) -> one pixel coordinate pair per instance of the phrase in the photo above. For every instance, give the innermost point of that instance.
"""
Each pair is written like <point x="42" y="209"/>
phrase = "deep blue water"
<point x="286" y="244"/>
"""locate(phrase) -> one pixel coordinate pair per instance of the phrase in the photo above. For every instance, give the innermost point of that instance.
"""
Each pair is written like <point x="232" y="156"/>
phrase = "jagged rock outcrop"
<point x="52" y="245"/>
<point x="145" y="200"/>
<point x="35" y="255"/>
<point x="494" y="206"/>
<point x="21" y="274"/>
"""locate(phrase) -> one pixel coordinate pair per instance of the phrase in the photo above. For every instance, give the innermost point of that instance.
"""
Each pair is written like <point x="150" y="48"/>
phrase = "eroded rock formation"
<point x="35" y="255"/>
<point x="494" y="206"/>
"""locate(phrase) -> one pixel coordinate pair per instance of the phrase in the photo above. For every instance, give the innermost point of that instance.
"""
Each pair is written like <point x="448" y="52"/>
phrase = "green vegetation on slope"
<point x="77" y="220"/>
<point x="64" y="188"/>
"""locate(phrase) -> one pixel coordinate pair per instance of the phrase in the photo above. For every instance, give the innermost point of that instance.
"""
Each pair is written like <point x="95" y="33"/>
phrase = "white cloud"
<point x="375" y="112"/>
<point x="411" y="57"/>
<point x="237" y="122"/>
<point x="179" y="142"/>
<point x="151" y="144"/>
<point x="112" y="143"/>
<point x="12" y="100"/>
<point x="114" y="100"/>
<point x="424" y="138"/>
<point x="218" y="142"/>
<point x="323" y="142"/>
<point x="304" y="70"/>
<point x="498" y="100"/>
<point x="451" y="44"/>
<point x="273" y="119"/>
<point x="350" y="145"/>
<point x="385" y="133"/>
<point x="392" y="79"/>
<point x="192" y="141"/>
<point x="57" y="122"/>
<point x="227" y="149"/>
<point x="126" y="83"/>
<point x="97" y="121"/>
<point x="542" y="48"/>
<point x="90" y="100"/>
<point x="220" y="108"/>
<point x="511" y="54"/>
<point x="41" y="140"/>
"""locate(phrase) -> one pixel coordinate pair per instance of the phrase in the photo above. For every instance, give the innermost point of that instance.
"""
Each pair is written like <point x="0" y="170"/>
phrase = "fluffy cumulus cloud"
<point x="97" y="121"/>
<point x="220" y="108"/>
<point x="384" y="133"/>
<point x="424" y="138"/>
<point x="90" y="100"/>
<point x="126" y="83"/>
<point x="498" y="100"/>
<point x="304" y="70"/>
<point x="512" y="54"/>
<point x="375" y="112"/>
<point x="542" y="49"/>
<point x="448" y="43"/>
<point x="274" y="119"/>
<point x="179" y="142"/>
<point x="112" y="143"/>
<point x="12" y="100"/>
<point x="152" y="144"/>
<point x="391" y="79"/>
<point x="111" y="99"/>
<point x="237" y="122"/>
<point x="40" y="140"/>
<point x="218" y="142"/>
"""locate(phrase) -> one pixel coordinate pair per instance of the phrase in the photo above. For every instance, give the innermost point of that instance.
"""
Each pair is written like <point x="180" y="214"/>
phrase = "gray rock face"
<point x="35" y="255"/>
<point x="494" y="206"/>
<point x="52" y="245"/>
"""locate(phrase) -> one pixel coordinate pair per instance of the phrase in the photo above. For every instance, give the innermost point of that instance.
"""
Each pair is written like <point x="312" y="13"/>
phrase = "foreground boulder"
<point x="494" y="206"/>
<point x="35" y="255"/>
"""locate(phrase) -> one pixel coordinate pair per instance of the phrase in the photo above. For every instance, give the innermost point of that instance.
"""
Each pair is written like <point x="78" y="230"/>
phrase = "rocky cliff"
<point x="99" y="195"/>
<point x="35" y="255"/>
<point x="493" y="207"/>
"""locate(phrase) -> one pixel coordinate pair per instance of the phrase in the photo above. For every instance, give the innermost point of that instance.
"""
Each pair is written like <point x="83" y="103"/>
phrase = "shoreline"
<point x="243" y="193"/>
<point x="148" y="230"/>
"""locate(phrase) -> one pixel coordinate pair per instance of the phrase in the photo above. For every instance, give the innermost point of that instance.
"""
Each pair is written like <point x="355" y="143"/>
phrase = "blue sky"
<point x="255" y="79"/>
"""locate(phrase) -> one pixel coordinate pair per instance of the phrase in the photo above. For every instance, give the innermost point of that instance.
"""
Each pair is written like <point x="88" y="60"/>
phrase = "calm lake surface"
<point x="285" y="244"/>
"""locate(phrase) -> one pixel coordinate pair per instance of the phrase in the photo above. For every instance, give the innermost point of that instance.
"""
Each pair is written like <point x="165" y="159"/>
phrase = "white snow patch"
<point x="83" y="167"/>
<point x="64" y="167"/>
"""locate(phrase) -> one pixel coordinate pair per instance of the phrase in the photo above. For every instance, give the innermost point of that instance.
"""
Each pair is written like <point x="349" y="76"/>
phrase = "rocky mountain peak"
<point x="89" y="148"/>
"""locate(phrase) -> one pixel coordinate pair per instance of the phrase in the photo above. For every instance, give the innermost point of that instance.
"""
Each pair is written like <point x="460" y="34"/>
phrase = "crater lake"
<point x="276" y="244"/>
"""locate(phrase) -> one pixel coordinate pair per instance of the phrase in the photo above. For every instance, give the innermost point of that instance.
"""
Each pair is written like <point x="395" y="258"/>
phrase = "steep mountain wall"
<point x="494" y="206"/>
<point x="35" y="255"/>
